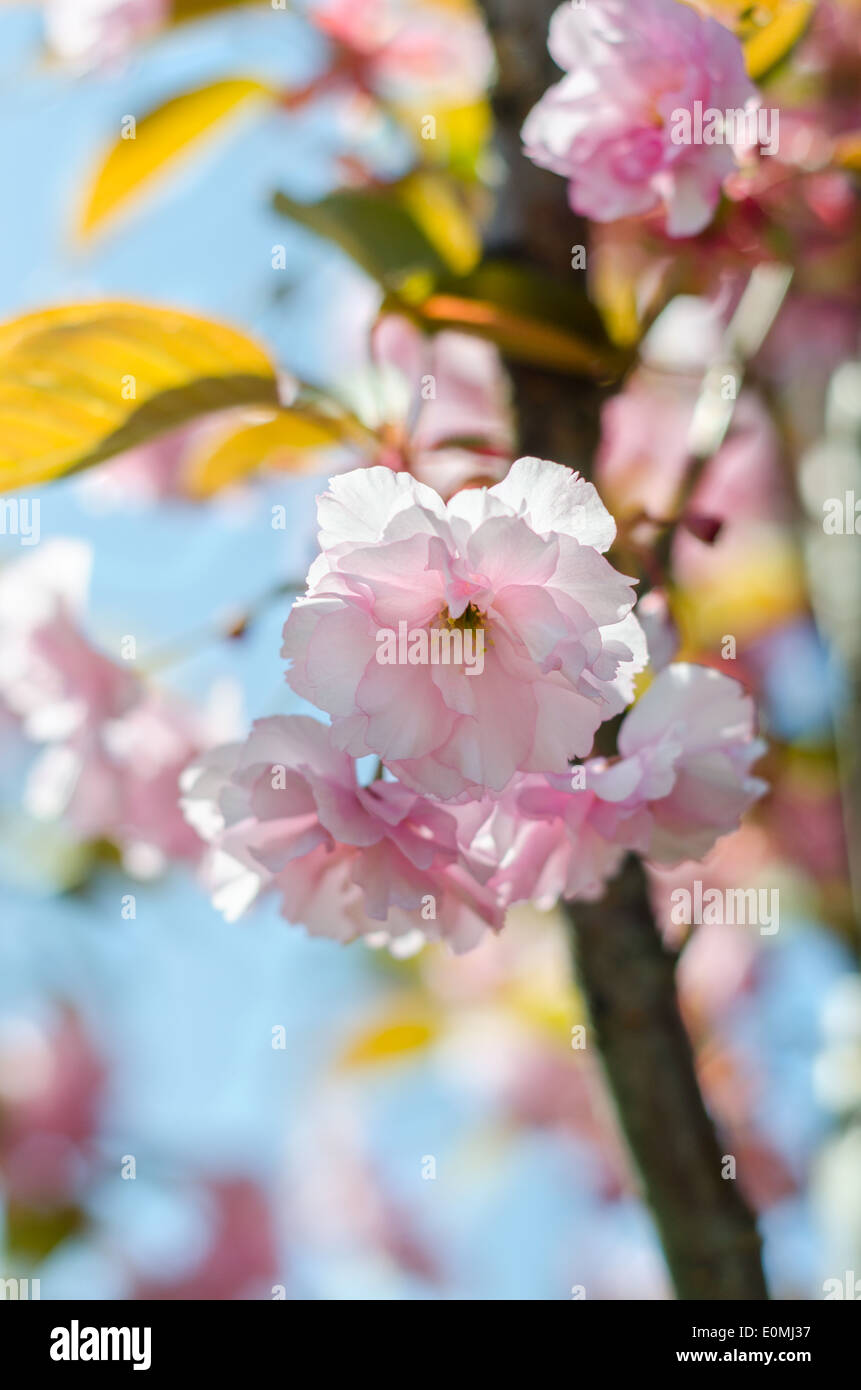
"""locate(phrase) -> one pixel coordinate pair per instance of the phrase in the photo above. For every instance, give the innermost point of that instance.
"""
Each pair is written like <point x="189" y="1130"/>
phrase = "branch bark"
<point x="709" y="1235"/>
<point x="707" y="1231"/>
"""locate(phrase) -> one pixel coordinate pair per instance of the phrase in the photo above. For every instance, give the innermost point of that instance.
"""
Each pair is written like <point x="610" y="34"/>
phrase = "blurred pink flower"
<point x="402" y="49"/>
<point x="746" y="857"/>
<point x="119" y="780"/>
<point x="562" y="1092"/>
<point x="339" y="1201"/>
<point x="116" y="748"/>
<point x="813" y="334"/>
<point x="606" y="126"/>
<point x="51" y="677"/>
<point x="241" y="1260"/>
<point x="284" y="811"/>
<point x="440" y="405"/>
<point x="101" y="32"/>
<point x="153" y="472"/>
<point x="165" y="469"/>
<point x="644" y="455"/>
<point x="662" y="635"/>
<point x="51" y="1088"/>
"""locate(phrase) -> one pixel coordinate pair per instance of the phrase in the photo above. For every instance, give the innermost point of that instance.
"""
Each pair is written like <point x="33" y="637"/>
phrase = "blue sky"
<point x="183" y="1003"/>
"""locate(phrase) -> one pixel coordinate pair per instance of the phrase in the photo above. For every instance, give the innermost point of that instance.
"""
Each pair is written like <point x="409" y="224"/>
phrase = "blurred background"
<point x="303" y="1120"/>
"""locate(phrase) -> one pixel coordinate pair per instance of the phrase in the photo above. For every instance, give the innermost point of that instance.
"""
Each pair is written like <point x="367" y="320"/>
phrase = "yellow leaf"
<point x="384" y="1041"/>
<point x="184" y="10"/>
<point x="83" y="382"/>
<point x="460" y="134"/>
<point x="745" y="594"/>
<point x="285" y="439"/>
<point x="771" y="43"/>
<point x="614" y="285"/>
<point x="160" y="140"/>
<point x="847" y="151"/>
<point x="522" y="338"/>
<point x="436" y="209"/>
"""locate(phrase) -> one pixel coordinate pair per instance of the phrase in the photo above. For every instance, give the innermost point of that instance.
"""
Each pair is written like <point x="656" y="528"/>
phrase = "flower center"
<point x="470" y="620"/>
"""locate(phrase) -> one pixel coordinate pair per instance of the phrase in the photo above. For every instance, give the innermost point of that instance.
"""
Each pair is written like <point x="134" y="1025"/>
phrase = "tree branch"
<point x="706" y="1228"/>
<point x="709" y="1235"/>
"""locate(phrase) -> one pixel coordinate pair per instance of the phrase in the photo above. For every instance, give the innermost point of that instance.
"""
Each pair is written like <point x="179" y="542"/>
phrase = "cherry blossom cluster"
<point x="610" y="125"/>
<point x="483" y="788"/>
<point x="111" y="746"/>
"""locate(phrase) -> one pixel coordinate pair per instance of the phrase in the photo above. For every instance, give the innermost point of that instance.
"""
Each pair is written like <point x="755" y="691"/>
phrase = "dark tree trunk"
<point x="709" y="1235"/>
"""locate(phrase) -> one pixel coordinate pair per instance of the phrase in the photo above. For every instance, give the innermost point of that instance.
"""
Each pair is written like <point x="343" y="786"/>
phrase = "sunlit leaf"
<point x="847" y="151"/>
<point x="763" y="590"/>
<point x="32" y="1232"/>
<point x="285" y="439"/>
<point x="387" y="1040"/>
<point x="519" y="337"/>
<point x="183" y="10"/>
<point x="81" y="383"/>
<point x="375" y="230"/>
<point x="160" y="141"/>
<point x="766" y="48"/>
<point x="457" y="139"/>
<point x="615" y="293"/>
<point x="433" y="202"/>
<point x="530" y="318"/>
<point x="42" y="856"/>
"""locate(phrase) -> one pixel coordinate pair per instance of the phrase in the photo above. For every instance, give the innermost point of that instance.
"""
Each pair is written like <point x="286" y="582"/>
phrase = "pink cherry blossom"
<point x="154" y="472"/>
<point x="607" y="126"/>
<point x="662" y="635"/>
<point x="681" y="781"/>
<point x="114" y="747"/>
<point x="644" y="454"/>
<point x="51" y="1093"/>
<point x="239" y="1260"/>
<point x="439" y="405"/>
<point x="542" y="840"/>
<point x="51" y="677"/>
<point x="521" y="564"/>
<point x="284" y="812"/>
<point x="101" y="32"/>
<point x="119" y="781"/>
<point x="400" y="47"/>
<point x="686" y="749"/>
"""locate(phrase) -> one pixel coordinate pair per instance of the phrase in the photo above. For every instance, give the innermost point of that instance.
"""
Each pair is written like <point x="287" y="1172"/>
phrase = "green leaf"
<point x="374" y="229"/>
<point x="532" y="318"/>
<point x="33" y="1232"/>
<point x="182" y="11"/>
